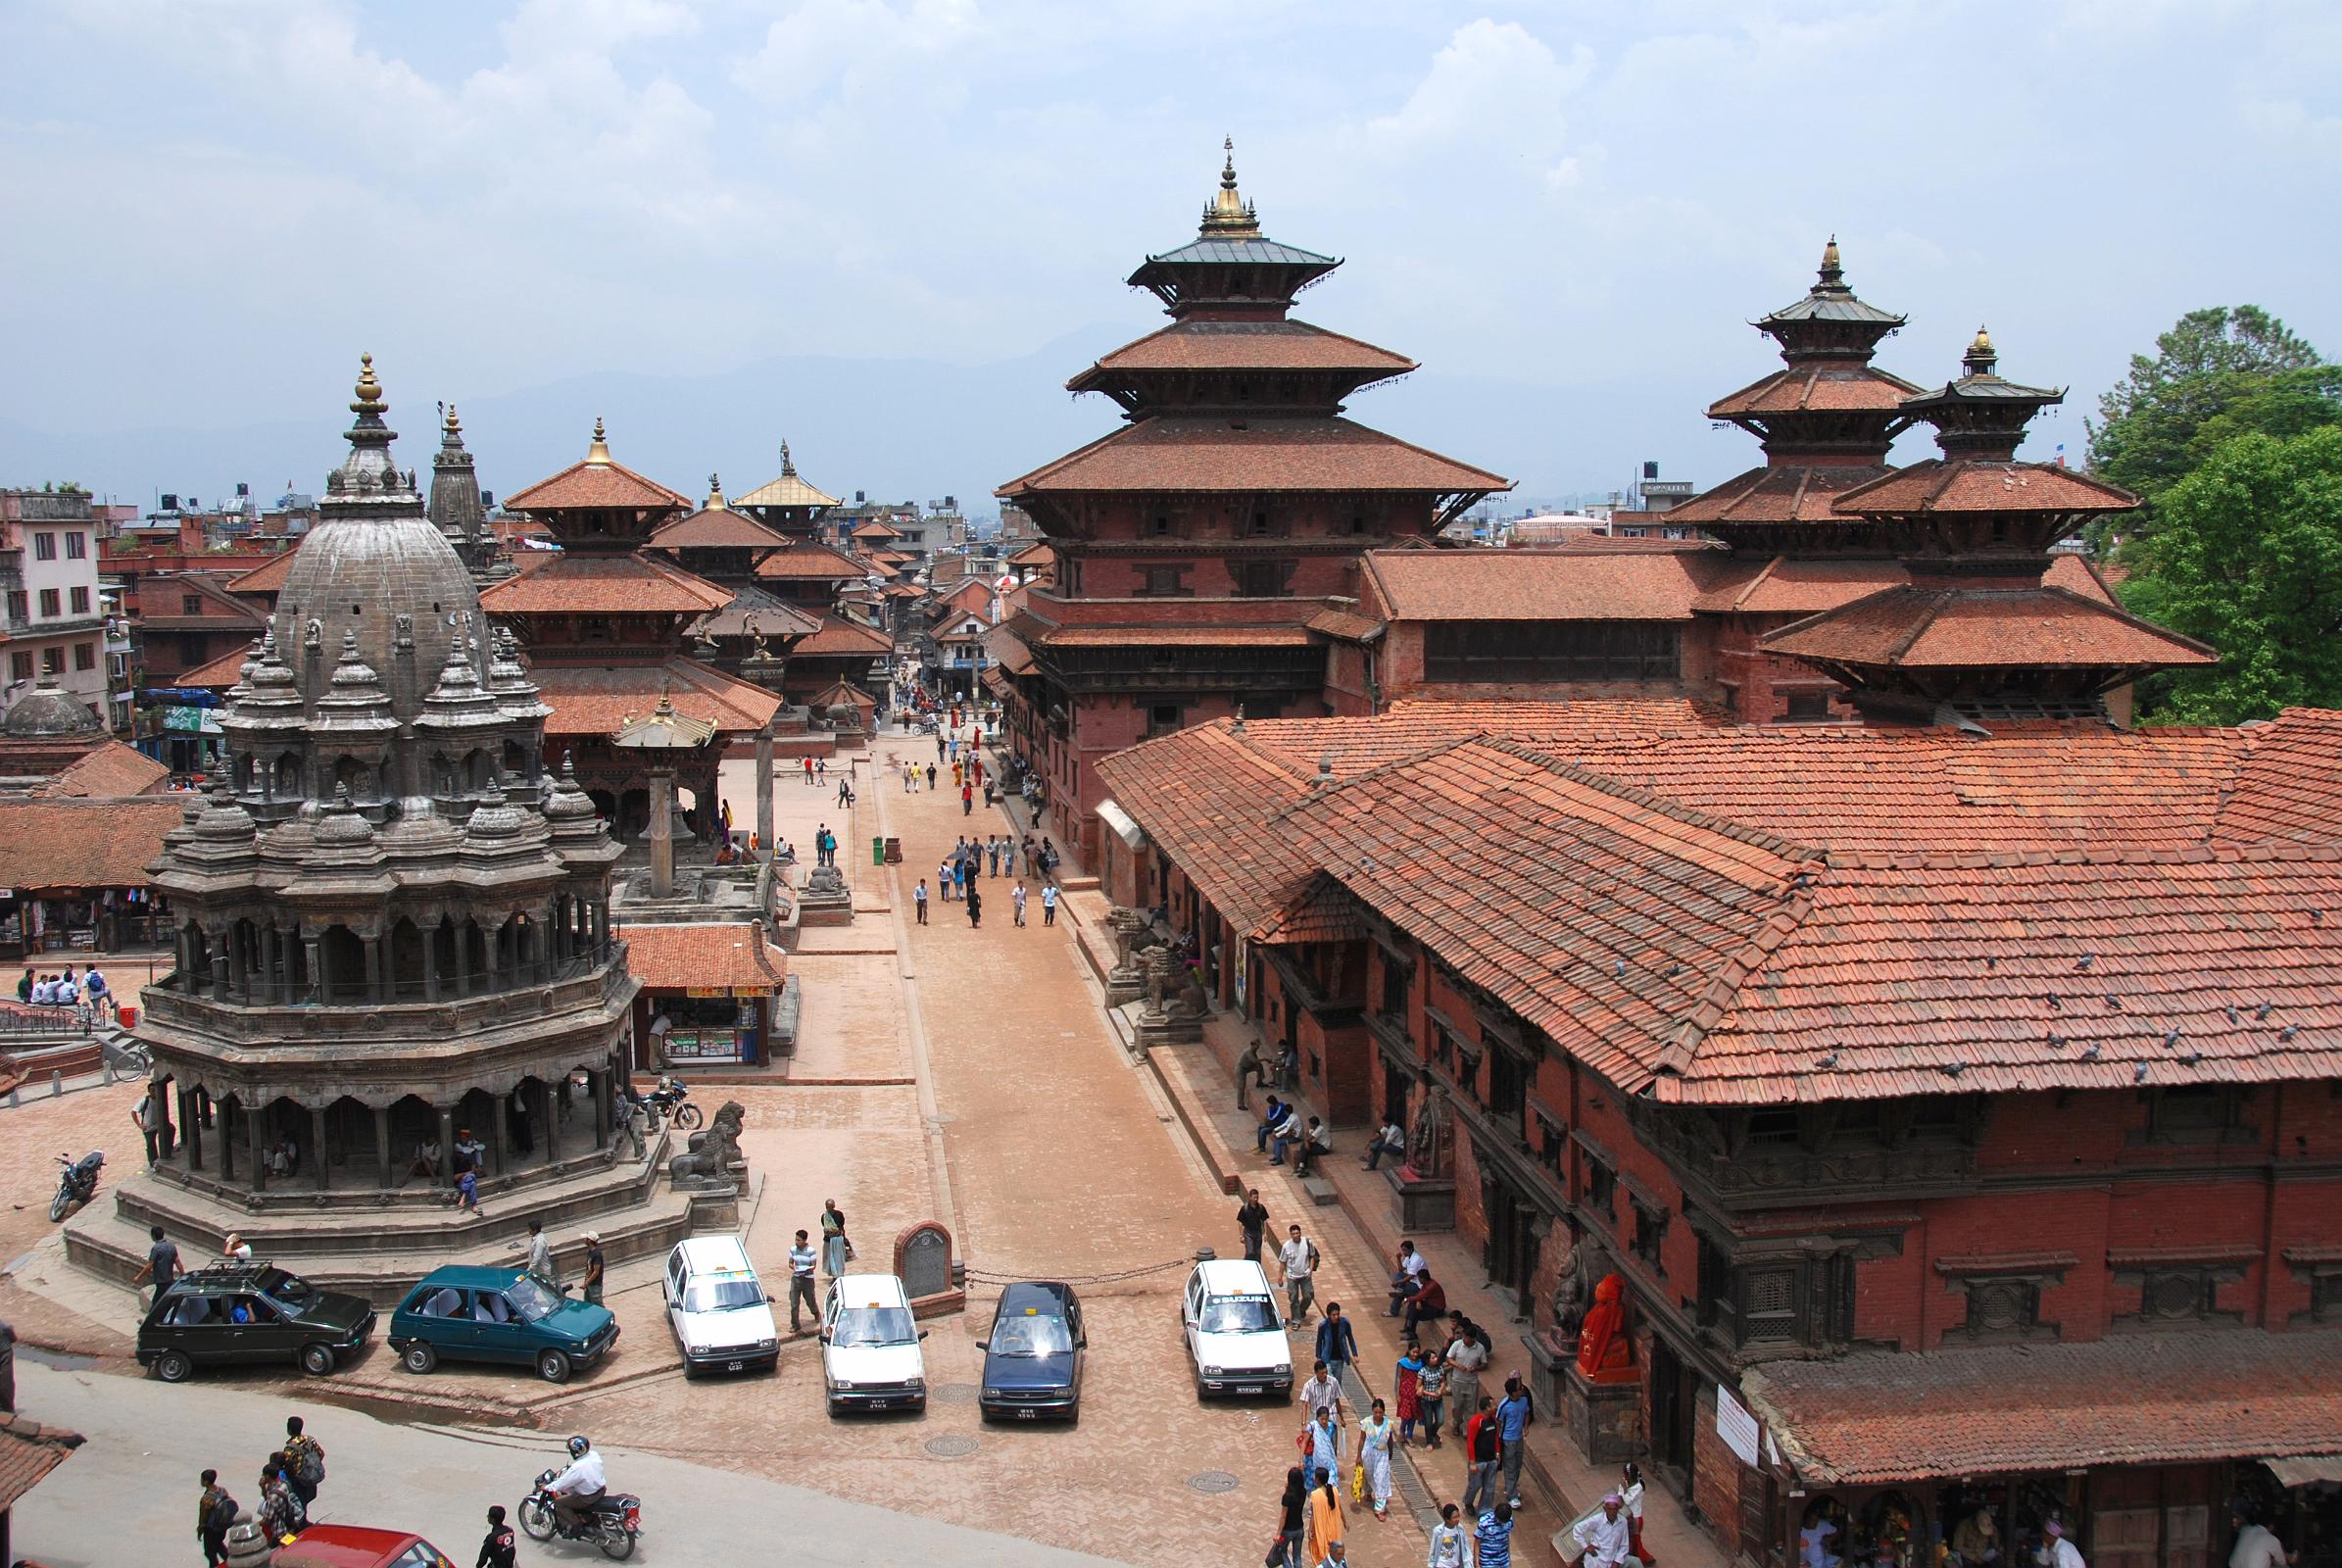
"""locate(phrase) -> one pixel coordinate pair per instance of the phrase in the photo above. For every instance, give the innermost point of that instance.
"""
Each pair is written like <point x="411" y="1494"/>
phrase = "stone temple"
<point x="393" y="931"/>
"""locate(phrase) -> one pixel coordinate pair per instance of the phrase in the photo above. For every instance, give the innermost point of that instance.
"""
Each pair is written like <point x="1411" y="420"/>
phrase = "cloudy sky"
<point x="215" y="203"/>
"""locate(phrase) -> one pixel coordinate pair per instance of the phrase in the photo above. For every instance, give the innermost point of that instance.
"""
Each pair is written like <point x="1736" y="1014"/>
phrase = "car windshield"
<point x="1238" y="1314"/>
<point x="873" y="1325"/>
<point x="532" y="1300"/>
<point x="291" y="1296"/>
<point x="723" y="1293"/>
<point x="1031" y="1336"/>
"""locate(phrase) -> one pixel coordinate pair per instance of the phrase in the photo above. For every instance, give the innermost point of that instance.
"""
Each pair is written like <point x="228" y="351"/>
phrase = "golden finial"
<point x="1831" y="269"/>
<point x="1228" y="168"/>
<point x="453" y="424"/>
<point x="599" y="452"/>
<point x="370" y="390"/>
<point x="1228" y="215"/>
<point x="1980" y="357"/>
<point x="715" y="496"/>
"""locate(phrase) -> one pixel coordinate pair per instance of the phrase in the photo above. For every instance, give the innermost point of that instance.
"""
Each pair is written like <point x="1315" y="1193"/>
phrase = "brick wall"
<point x="1716" y="1475"/>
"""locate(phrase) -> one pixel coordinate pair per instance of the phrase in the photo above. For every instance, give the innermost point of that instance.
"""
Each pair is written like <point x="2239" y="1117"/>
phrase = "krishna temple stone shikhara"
<point x="392" y="918"/>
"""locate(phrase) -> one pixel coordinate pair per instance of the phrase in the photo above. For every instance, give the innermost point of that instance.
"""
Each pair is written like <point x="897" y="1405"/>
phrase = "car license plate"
<point x="1026" y="1415"/>
<point x="1247" y="1388"/>
<point x="734" y="1366"/>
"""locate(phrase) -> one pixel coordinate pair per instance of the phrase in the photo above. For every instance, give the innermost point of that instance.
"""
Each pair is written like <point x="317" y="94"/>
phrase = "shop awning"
<point x="1125" y="829"/>
<point x="2307" y="1470"/>
<point x="1881" y="1416"/>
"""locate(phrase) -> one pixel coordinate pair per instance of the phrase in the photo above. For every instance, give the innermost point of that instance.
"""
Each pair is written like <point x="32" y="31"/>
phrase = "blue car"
<point x="462" y="1313"/>
<point x="1033" y="1357"/>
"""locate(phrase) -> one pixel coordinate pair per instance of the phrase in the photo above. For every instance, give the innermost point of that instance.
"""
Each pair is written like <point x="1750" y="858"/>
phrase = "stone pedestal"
<point x="1423" y="1204"/>
<point x="1549" y="1355"/>
<point x="1604" y="1419"/>
<point x="825" y="900"/>
<point x="932" y="1277"/>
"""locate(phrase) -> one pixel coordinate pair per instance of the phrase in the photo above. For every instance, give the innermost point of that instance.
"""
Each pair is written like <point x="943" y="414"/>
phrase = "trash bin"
<point x="878" y="851"/>
<point x="127" y="1014"/>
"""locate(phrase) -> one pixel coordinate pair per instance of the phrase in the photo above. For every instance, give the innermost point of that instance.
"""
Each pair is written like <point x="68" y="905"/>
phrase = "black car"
<point x="250" y="1314"/>
<point x="1033" y="1357"/>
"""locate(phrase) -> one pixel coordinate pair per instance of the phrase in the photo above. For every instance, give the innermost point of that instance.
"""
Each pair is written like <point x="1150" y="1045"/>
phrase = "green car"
<point x="464" y="1313"/>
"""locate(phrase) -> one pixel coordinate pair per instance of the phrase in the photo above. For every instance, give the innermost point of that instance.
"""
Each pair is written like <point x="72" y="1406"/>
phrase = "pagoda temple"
<point x="1977" y="629"/>
<point x="721" y="543"/>
<point x="603" y="621"/>
<point x="456" y="507"/>
<point x="1195" y="545"/>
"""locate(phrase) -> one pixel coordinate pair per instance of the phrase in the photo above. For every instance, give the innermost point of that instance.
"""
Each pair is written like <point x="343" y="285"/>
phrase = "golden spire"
<point x="599" y="452"/>
<point x="370" y="390"/>
<point x="1832" y="272"/>
<point x="1229" y="215"/>
<point x="453" y="426"/>
<point x="716" y="501"/>
<point x="1980" y="357"/>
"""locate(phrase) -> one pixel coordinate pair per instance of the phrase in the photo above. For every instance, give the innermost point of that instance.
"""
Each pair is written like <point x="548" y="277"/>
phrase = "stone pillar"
<point x="764" y="793"/>
<point x="553" y="1121"/>
<point x="228" y="1140"/>
<point x="500" y="1127"/>
<point x="219" y="964"/>
<point x="255" y="1138"/>
<point x="462" y="957"/>
<point x="190" y="1134"/>
<point x="602" y="1116"/>
<point x="317" y="1140"/>
<point x="312" y="949"/>
<point x="432" y="961"/>
<point x="382" y="1142"/>
<point x="238" y="975"/>
<point x="447" y="1145"/>
<point x="662" y="832"/>
<point x="376" y="978"/>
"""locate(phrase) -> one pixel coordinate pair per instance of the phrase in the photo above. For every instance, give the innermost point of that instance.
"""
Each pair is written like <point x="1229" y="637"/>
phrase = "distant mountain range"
<point x="896" y="429"/>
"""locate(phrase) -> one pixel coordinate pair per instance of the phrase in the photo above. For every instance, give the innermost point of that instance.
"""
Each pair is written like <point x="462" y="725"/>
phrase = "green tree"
<point x="2145" y="435"/>
<point x="2248" y="558"/>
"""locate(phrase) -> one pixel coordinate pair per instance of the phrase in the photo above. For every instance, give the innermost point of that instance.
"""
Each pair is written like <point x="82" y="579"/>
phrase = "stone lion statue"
<point x="709" y="1157"/>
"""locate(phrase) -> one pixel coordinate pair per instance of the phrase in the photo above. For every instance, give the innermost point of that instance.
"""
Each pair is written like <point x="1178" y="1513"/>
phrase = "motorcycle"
<point x="611" y="1524"/>
<point x="76" y="1183"/>
<point x="668" y="1102"/>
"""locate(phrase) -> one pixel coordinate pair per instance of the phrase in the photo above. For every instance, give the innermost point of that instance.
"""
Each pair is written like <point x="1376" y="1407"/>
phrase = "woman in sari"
<point x="833" y="1239"/>
<point x="1374" y="1454"/>
<point x="1324" y="1523"/>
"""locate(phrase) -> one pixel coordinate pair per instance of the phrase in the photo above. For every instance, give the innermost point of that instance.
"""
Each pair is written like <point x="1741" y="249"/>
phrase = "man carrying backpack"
<point x="305" y="1461"/>
<point x="215" y="1511"/>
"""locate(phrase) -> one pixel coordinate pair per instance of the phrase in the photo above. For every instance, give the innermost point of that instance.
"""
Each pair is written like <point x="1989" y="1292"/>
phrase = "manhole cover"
<point x="951" y="1394"/>
<point x="1213" y="1480"/>
<point x="958" y="1445"/>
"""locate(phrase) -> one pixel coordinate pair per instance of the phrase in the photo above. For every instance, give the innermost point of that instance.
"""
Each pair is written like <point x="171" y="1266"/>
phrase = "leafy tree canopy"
<point x="2248" y="558"/>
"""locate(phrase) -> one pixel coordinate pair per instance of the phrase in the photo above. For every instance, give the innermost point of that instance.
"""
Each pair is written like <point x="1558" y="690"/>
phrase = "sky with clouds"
<point x="216" y="203"/>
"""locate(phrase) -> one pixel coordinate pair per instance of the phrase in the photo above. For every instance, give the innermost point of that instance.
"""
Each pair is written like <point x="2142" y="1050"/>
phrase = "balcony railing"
<point x="577" y="983"/>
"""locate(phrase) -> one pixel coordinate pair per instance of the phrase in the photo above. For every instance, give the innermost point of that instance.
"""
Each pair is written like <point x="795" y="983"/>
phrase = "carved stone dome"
<point x="49" y="709"/>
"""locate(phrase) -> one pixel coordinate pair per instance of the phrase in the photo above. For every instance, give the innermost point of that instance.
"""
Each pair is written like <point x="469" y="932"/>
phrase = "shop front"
<point x="709" y="994"/>
<point x="710" y="1025"/>
<point x="73" y="875"/>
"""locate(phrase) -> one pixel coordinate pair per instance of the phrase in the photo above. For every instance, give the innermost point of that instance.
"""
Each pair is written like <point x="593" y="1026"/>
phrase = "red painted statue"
<point x="1603" y="1350"/>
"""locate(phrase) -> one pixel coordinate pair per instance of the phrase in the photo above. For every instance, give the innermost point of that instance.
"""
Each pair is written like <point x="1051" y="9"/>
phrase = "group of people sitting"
<point x="88" y="995"/>
<point x="1282" y="1128"/>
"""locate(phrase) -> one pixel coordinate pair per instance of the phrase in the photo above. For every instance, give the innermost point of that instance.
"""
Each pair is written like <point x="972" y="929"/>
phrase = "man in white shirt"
<point x="1603" y="1538"/>
<point x="2057" y="1551"/>
<point x="800" y="1283"/>
<point x="2256" y="1546"/>
<point x="1300" y="1288"/>
<point x="578" y="1488"/>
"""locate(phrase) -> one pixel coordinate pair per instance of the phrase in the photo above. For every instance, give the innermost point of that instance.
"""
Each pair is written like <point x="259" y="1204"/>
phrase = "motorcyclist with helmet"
<point x="577" y="1488"/>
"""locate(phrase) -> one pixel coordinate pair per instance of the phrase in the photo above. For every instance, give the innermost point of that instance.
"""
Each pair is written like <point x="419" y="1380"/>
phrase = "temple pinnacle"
<point x="1833" y="271"/>
<point x="1980" y="356"/>
<point x="369" y="390"/>
<point x="599" y="452"/>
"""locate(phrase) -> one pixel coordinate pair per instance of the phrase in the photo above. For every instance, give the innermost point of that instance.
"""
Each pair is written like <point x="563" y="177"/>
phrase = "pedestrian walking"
<point x="1298" y="1259"/>
<point x="918" y="899"/>
<point x="304" y="1462"/>
<point x="1430" y="1392"/>
<point x="1374" y="1457"/>
<point x="161" y="1263"/>
<point x="1321" y="1396"/>
<point x="821" y="768"/>
<point x="1008" y="854"/>
<point x="967" y="800"/>
<point x="280" y="1505"/>
<point x="1048" y="903"/>
<point x="1484" y="1449"/>
<point x="497" y="1549"/>
<point x="1252" y="1220"/>
<point x="835" y="1250"/>
<point x="808" y="761"/>
<point x="1016" y="899"/>
<point x="931" y="777"/>
<point x="1290" y="1509"/>
<point x="801" y="1282"/>
<point x="943" y="879"/>
<point x="149" y="1118"/>
<point x="1322" y="1448"/>
<point x="1324" y="1540"/>
<point x="993" y="846"/>
<point x="1494" y="1537"/>
<point x="1513" y="1415"/>
<point x="539" y="1256"/>
<point x="975" y="906"/>
<point x="215" y="1511"/>
<point x="1407" y="1383"/>
<point x="1337" y="1345"/>
<point x="1466" y="1355"/>
<point x="1447" y="1539"/>
<point x="595" y="1268"/>
<point x="844" y="793"/>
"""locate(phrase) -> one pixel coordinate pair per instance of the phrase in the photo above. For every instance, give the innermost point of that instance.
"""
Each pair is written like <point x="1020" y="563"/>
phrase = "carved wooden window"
<point x="2003" y="1307"/>
<point x="1508" y="1088"/>
<point x="1550" y="1141"/>
<point x="1394" y="987"/>
<point x="2178" y="1294"/>
<point x="1779" y="1127"/>
<point x="2195" y="1113"/>
<point x="1601" y="1187"/>
<point x="1769" y="1311"/>
<point x="1650" y="1234"/>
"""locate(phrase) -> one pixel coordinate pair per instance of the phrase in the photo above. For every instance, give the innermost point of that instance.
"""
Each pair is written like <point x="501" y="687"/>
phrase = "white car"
<point x="870" y="1356"/>
<point x="718" y="1309"/>
<point x="1235" y="1336"/>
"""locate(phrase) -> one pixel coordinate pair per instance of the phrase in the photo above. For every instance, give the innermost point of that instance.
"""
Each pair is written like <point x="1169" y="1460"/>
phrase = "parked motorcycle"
<point x="76" y="1182"/>
<point x="668" y="1102"/>
<point x="613" y="1523"/>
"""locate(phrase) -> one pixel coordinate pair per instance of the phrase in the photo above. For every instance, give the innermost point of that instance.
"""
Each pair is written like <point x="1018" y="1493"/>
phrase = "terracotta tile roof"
<point x="903" y="590"/>
<point x="584" y="484"/>
<point x="1037" y="554"/>
<point x="717" y="528"/>
<point x="1578" y="542"/>
<point x="807" y="559"/>
<point x="2290" y="786"/>
<point x="105" y="771"/>
<point x="1534" y="585"/>
<point x="73" y="843"/>
<point x="1270" y="452"/>
<point x="839" y="636"/>
<point x="221" y="673"/>
<point x="1788" y="585"/>
<point x="777" y="619"/>
<point x="875" y="529"/>
<point x="1920" y="627"/>
<point x="676" y="958"/>
<point x="2077" y="575"/>
<point x="1243" y="346"/>
<point x="595" y="700"/>
<point x="1174" y="637"/>
<point x="1969" y="485"/>
<point x="218" y="608"/>
<point x="608" y="585"/>
<point x="1791" y="493"/>
<point x="28" y="1451"/>
<point x="1006" y="650"/>
<point x="1344" y="626"/>
<point x="1876" y="1417"/>
<point x="268" y="578"/>
<point x="1822" y="386"/>
<point x="1205" y="795"/>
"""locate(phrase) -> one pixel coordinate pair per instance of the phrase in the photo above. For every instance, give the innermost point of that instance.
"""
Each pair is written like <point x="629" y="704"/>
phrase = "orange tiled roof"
<point x="776" y="619"/>
<point x="1346" y="626"/>
<point x="1246" y="346"/>
<point x="29" y="1451"/>
<point x="1173" y="637"/>
<point x="583" y="485"/>
<point x="1581" y="542"/>
<point x="595" y="700"/>
<point x="221" y="673"/>
<point x="1535" y="585"/>
<point x="807" y="559"/>
<point x="1788" y="585"/>
<point x="676" y="958"/>
<point x="2290" y="786"/>
<point x="1007" y="651"/>
<point x="839" y="636"/>
<point x="1219" y="456"/>
<point x="1037" y="554"/>
<point x="1791" y="493"/>
<point x="2007" y="1409"/>
<point x="1827" y="387"/>
<point x="71" y="843"/>
<point x="716" y="528"/>
<point x="606" y="585"/>
<point x="2077" y="574"/>
<point x="1938" y="485"/>
<point x="266" y="578"/>
<point x="107" y="772"/>
<point x="1920" y="627"/>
